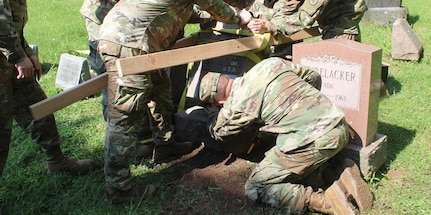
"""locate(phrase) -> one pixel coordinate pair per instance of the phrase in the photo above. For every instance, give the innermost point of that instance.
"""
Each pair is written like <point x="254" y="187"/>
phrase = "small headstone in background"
<point x="384" y="12"/>
<point x="72" y="70"/>
<point x="383" y="3"/>
<point x="405" y="44"/>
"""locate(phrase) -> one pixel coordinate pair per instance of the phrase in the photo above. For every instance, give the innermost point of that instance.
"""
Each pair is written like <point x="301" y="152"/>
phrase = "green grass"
<point x="57" y="27"/>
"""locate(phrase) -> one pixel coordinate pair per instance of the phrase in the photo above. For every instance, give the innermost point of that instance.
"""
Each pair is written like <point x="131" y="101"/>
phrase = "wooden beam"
<point x="153" y="61"/>
<point x="83" y="90"/>
<point x="69" y="96"/>
<point x="163" y="59"/>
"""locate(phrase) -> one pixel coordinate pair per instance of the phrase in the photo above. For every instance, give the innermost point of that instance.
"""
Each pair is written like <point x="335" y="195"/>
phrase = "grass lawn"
<point x="402" y="186"/>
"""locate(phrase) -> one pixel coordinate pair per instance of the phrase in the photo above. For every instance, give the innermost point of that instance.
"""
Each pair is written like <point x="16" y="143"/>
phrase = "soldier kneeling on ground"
<point x="285" y="100"/>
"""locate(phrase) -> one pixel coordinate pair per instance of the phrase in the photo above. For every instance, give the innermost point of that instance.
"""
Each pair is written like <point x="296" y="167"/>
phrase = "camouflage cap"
<point x="208" y="87"/>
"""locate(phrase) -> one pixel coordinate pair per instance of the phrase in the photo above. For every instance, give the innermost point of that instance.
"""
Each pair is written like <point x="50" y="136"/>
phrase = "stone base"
<point x="384" y="16"/>
<point x="371" y="157"/>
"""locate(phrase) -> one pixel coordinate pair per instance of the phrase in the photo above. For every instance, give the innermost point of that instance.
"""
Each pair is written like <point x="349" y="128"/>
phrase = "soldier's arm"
<point x="199" y="15"/>
<point x="221" y="11"/>
<point x="228" y="123"/>
<point x="287" y="23"/>
<point x="260" y="10"/>
<point x="9" y="37"/>
<point x="308" y="74"/>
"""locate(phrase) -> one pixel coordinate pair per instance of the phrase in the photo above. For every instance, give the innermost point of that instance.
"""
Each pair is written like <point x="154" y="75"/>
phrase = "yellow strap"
<point x="182" y="102"/>
<point x="241" y="32"/>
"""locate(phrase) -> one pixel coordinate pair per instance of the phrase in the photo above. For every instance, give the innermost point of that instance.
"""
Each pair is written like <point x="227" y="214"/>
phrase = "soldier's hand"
<point x="258" y="26"/>
<point x="25" y="68"/>
<point x="245" y="16"/>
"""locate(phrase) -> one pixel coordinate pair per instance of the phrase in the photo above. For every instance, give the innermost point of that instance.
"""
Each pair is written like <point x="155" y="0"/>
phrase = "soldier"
<point x="94" y="11"/>
<point x="282" y="99"/>
<point x="335" y="18"/>
<point x="19" y="69"/>
<point x="137" y="27"/>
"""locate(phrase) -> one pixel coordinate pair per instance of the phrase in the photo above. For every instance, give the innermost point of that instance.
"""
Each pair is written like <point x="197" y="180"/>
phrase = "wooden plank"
<point x="160" y="60"/>
<point x="163" y="59"/>
<point x="83" y="90"/>
<point x="67" y="97"/>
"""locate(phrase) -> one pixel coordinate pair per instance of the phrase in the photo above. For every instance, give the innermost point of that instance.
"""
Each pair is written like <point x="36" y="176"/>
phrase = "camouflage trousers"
<point x="95" y="59"/>
<point x="279" y="179"/>
<point x="16" y="95"/>
<point x="134" y="101"/>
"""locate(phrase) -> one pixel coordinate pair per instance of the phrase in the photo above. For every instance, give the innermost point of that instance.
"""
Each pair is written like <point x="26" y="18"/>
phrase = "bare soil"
<point x="212" y="182"/>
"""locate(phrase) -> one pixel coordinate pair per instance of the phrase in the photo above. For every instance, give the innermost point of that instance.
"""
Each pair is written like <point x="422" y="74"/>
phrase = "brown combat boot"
<point x="355" y="185"/>
<point x="58" y="162"/>
<point x="175" y="149"/>
<point x="135" y="194"/>
<point x="334" y="201"/>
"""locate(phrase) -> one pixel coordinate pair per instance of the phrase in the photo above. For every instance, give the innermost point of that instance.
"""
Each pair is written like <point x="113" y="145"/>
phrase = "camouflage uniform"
<point x="309" y="129"/>
<point x="137" y="27"/>
<point x="16" y="95"/>
<point x="336" y="18"/>
<point x="94" y="11"/>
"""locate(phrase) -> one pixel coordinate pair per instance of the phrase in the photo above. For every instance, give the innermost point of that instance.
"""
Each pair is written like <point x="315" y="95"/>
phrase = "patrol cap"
<point x="208" y="87"/>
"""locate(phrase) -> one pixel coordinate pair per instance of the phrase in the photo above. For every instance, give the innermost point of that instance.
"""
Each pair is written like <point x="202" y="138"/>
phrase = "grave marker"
<point x="384" y="12"/>
<point x="72" y="70"/>
<point x="351" y="77"/>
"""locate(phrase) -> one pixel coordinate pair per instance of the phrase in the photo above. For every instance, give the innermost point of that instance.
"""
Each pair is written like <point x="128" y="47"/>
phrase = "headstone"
<point x="405" y="44"/>
<point x="384" y="12"/>
<point x="383" y="3"/>
<point x="351" y="77"/>
<point x="72" y="70"/>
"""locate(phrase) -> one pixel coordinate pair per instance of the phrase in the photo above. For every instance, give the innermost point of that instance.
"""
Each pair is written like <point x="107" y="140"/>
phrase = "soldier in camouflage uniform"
<point x="282" y="99"/>
<point x="19" y="69"/>
<point x="336" y="18"/>
<point x="94" y="11"/>
<point x="137" y="27"/>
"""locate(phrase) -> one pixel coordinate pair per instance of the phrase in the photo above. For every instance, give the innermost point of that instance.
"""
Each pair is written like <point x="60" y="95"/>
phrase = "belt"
<point x="114" y="49"/>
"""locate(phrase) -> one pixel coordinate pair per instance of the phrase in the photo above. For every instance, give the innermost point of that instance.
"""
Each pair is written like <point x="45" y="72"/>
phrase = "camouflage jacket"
<point x="13" y="17"/>
<point x="154" y="25"/>
<point x="274" y="94"/>
<point x="96" y="10"/>
<point x="341" y="16"/>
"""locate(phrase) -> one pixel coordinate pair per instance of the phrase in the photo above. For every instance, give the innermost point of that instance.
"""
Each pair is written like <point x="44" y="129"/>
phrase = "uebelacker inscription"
<point x="341" y="80"/>
<point x="351" y="76"/>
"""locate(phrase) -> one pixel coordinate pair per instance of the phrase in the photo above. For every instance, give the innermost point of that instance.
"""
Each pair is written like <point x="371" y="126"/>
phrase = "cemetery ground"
<point x="207" y="181"/>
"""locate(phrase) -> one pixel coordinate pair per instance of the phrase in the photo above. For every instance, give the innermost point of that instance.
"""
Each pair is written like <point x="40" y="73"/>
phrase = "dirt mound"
<point x="212" y="182"/>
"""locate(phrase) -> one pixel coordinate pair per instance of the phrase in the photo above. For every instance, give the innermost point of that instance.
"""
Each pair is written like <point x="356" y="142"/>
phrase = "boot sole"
<point x="339" y="197"/>
<point x="356" y="186"/>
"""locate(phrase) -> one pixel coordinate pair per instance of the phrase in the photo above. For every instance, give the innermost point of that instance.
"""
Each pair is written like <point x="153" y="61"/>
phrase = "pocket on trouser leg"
<point x="333" y="139"/>
<point x="132" y="93"/>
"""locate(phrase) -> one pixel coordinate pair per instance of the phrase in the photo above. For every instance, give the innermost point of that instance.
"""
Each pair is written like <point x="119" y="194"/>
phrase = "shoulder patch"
<point x="313" y="2"/>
